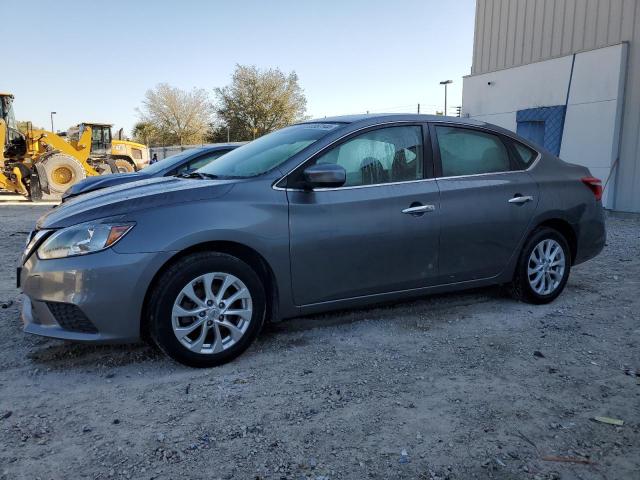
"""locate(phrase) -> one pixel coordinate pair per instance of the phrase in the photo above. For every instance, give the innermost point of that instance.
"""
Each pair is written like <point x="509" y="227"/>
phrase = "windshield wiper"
<point x="201" y="175"/>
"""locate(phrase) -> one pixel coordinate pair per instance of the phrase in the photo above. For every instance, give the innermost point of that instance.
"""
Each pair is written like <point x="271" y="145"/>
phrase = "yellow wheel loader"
<point x="40" y="161"/>
<point x="121" y="155"/>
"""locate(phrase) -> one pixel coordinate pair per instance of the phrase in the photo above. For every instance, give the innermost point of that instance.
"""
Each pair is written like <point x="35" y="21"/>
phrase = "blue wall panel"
<point x="542" y="125"/>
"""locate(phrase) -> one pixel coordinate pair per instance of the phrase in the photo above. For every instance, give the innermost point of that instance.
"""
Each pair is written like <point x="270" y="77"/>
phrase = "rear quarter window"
<point x="524" y="156"/>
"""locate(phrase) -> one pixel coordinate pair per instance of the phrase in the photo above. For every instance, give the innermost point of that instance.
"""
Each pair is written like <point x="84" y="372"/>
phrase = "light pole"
<point x="445" y="83"/>
<point x="52" y="114"/>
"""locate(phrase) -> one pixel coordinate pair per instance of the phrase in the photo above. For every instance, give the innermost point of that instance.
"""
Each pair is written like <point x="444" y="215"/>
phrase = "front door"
<point x="486" y="203"/>
<point x="376" y="234"/>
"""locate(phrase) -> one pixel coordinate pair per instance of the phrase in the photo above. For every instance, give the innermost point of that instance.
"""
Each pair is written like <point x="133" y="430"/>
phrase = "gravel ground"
<point x="469" y="385"/>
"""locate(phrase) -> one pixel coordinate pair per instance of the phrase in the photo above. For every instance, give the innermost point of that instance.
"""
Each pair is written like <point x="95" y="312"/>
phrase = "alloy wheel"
<point x="212" y="313"/>
<point x="546" y="267"/>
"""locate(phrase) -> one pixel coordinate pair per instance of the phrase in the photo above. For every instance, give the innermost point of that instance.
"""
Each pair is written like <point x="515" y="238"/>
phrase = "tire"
<point x="122" y="165"/>
<point x="205" y="345"/>
<point x="35" y="189"/>
<point x="524" y="286"/>
<point x="62" y="171"/>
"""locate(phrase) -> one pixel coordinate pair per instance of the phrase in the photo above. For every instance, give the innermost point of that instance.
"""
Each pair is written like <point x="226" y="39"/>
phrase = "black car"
<point x="179" y="164"/>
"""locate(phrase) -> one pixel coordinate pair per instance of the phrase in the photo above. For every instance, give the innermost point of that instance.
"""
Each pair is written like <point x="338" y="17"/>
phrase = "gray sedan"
<point x="326" y="214"/>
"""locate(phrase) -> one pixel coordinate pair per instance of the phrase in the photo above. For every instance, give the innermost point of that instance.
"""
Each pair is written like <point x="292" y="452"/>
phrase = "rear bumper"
<point x="95" y="298"/>
<point x="591" y="236"/>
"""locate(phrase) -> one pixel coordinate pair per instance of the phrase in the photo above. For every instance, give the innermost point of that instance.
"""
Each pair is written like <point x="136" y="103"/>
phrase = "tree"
<point x="258" y="102"/>
<point x="23" y="126"/>
<point x="146" y="133"/>
<point x="176" y="115"/>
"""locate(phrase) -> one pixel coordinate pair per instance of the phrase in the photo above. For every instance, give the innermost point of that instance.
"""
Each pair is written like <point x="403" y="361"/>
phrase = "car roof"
<point x="214" y="147"/>
<point x="412" y="117"/>
<point x="206" y="148"/>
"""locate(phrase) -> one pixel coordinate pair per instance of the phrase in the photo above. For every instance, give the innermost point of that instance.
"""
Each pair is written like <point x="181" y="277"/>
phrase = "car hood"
<point x="131" y="197"/>
<point x="90" y="184"/>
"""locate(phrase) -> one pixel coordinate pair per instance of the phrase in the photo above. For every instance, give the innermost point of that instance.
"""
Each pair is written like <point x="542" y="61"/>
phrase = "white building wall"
<point x="594" y="107"/>
<point x="496" y="97"/>
<point x="592" y="122"/>
<point x="512" y="33"/>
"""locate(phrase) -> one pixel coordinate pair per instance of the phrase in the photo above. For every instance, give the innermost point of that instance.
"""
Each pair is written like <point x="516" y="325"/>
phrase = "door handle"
<point x="419" y="209"/>
<point x="520" y="199"/>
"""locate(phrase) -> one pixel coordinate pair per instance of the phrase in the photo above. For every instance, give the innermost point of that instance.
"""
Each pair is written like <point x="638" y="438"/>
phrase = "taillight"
<point x="595" y="185"/>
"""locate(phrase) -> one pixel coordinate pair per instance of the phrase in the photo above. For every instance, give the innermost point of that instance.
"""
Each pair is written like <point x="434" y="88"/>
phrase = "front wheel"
<point x="62" y="171"/>
<point x="206" y="309"/>
<point x="543" y="268"/>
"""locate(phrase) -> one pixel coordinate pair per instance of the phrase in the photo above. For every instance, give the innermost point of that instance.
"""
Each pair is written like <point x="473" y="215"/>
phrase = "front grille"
<point x="71" y="318"/>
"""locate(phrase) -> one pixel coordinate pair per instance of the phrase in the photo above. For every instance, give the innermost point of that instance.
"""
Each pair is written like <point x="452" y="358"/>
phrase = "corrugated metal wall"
<point x="509" y="33"/>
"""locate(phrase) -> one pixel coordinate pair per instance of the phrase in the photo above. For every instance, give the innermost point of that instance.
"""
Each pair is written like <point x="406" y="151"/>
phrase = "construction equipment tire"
<point x="122" y="165"/>
<point x="35" y="189"/>
<point x="62" y="171"/>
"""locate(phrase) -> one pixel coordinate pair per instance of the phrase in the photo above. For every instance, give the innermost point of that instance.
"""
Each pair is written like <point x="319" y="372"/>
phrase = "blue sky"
<point x="95" y="60"/>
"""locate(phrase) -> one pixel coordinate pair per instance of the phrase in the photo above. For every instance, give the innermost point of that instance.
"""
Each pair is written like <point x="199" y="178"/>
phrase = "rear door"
<point x="487" y="201"/>
<point x="379" y="232"/>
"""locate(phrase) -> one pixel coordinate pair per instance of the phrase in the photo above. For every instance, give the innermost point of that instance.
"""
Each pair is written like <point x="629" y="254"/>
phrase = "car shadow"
<point x="59" y="354"/>
<point x="63" y="354"/>
<point x="443" y="302"/>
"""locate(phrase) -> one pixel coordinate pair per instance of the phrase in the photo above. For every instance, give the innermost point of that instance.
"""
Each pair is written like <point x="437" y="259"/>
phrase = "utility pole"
<point x="418" y="109"/>
<point x="227" y="133"/>
<point x="52" y="114"/>
<point x="445" y="83"/>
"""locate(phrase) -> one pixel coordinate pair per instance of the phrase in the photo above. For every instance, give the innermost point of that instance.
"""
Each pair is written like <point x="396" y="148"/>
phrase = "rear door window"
<point x="470" y="152"/>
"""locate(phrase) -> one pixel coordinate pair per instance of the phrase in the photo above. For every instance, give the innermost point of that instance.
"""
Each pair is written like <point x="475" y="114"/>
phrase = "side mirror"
<point x="325" y="175"/>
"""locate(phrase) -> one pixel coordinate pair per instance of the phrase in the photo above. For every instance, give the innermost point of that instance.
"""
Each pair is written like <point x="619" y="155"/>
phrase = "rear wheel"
<point x="123" y="165"/>
<point x="206" y="309"/>
<point x="62" y="171"/>
<point x="543" y="268"/>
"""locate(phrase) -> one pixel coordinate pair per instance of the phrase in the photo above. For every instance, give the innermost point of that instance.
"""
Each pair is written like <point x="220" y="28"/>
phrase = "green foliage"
<point x="23" y="126"/>
<point x="258" y="102"/>
<point x="170" y="115"/>
<point x="254" y="103"/>
<point x="146" y="133"/>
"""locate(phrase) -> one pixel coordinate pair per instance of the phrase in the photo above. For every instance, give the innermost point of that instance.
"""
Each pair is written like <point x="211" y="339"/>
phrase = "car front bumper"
<point x="94" y="298"/>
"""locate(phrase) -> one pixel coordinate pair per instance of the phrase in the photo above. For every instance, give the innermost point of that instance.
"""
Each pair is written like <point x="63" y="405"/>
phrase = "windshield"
<point x="168" y="162"/>
<point x="267" y="152"/>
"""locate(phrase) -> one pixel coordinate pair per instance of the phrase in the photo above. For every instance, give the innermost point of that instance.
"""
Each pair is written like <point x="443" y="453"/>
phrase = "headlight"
<point x="32" y="240"/>
<point x="82" y="239"/>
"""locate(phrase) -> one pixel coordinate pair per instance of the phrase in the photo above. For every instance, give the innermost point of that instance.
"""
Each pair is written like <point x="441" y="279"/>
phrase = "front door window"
<point x="387" y="155"/>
